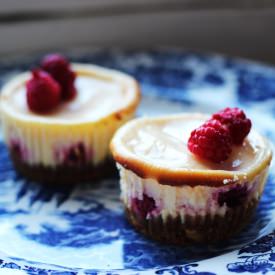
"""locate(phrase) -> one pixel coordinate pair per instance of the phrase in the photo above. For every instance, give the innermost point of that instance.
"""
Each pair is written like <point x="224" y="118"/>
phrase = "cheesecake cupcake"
<point x="191" y="178"/>
<point x="58" y="119"/>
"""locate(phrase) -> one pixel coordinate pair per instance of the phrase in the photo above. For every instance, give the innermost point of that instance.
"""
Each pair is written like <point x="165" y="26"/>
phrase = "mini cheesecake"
<point x="71" y="143"/>
<point x="174" y="197"/>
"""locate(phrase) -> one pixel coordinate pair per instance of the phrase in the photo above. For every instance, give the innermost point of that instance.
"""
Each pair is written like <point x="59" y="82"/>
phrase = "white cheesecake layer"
<point x="182" y="200"/>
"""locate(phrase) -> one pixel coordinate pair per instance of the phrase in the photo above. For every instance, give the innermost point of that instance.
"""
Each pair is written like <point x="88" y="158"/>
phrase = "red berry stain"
<point x="75" y="155"/>
<point x="143" y="207"/>
<point x="234" y="197"/>
<point x="16" y="149"/>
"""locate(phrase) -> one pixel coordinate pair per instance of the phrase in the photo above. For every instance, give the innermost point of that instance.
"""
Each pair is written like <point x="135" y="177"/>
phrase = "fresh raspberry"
<point x="59" y="68"/>
<point x="55" y="63"/>
<point x="143" y="207"/>
<point x="69" y="90"/>
<point x="211" y="141"/>
<point x="236" y="121"/>
<point x="43" y="92"/>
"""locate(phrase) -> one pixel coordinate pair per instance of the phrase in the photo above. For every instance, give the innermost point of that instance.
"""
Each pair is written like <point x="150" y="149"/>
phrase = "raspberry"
<point x="55" y="63"/>
<point x="236" y="121"/>
<point x="211" y="141"/>
<point x="69" y="90"/>
<point x="143" y="207"/>
<point x="43" y="92"/>
<point x="59" y="68"/>
<point x="233" y="197"/>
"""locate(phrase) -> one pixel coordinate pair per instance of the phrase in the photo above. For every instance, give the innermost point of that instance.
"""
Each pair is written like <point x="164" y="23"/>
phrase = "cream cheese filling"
<point x="183" y="200"/>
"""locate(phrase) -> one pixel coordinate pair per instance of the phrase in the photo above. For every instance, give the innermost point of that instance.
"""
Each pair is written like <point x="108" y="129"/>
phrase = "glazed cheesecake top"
<point x="157" y="147"/>
<point x="100" y="93"/>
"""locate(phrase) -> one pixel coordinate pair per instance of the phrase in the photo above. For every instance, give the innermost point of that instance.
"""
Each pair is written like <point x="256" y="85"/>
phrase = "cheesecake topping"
<point x="213" y="140"/>
<point x="163" y="143"/>
<point x="43" y="92"/>
<point x="59" y="68"/>
<point x="50" y="84"/>
<point x="236" y="121"/>
<point x="100" y="93"/>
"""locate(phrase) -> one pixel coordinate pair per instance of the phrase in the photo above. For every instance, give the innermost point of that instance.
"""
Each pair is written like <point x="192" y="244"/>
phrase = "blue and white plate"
<point x="82" y="230"/>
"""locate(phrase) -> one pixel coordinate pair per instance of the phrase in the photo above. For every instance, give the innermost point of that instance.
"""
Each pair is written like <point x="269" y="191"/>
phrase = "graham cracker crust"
<point x="199" y="229"/>
<point x="64" y="174"/>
